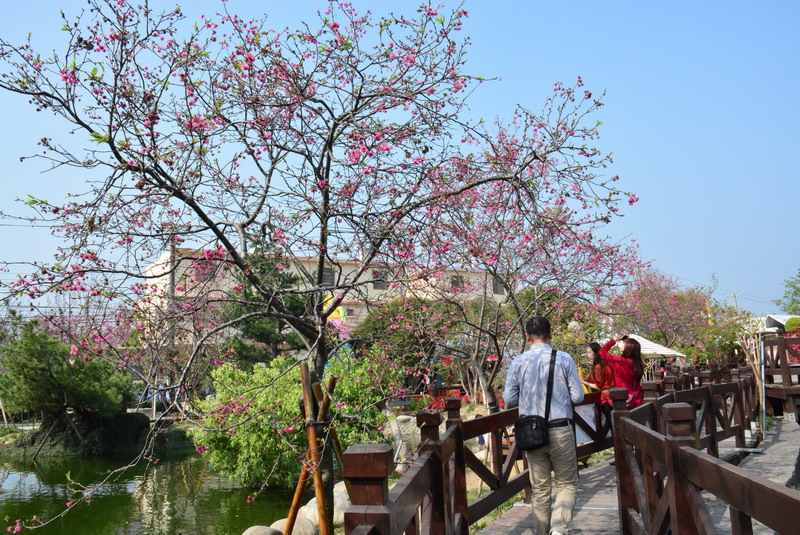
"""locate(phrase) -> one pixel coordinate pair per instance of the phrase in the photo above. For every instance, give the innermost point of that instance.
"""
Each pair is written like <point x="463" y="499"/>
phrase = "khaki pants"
<point x="558" y="457"/>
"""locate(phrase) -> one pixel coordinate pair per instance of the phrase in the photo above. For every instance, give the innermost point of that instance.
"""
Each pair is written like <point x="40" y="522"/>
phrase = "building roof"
<point x="652" y="349"/>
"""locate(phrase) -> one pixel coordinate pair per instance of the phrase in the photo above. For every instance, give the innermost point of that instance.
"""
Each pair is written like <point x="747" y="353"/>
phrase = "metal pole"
<point x="763" y="392"/>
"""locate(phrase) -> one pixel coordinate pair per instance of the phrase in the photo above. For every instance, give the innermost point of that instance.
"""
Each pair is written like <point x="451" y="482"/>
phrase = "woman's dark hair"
<point x="632" y="350"/>
<point x="596" y="358"/>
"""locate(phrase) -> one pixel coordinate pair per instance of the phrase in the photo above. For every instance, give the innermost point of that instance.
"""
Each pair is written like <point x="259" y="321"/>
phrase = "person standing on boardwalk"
<point x="526" y="387"/>
<point x="600" y="378"/>
<point x="628" y="367"/>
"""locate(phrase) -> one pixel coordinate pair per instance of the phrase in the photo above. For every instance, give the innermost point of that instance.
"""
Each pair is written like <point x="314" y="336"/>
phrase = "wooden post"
<point x="669" y="383"/>
<point x="434" y="518"/>
<point x="679" y="418"/>
<point x="739" y="415"/>
<point x="786" y="376"/>
<point x="705" y="378"/>
<point x="367" y="468"/>
<point x="457" y="466"/>
<point x="626" y="494"/>
<point x="710" y="423"/>
<point x="313" y="448"/>
<point x="650" y="390"/>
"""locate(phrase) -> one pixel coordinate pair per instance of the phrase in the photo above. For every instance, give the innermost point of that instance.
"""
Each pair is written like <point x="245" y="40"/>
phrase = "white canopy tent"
<point x="653" y="350"/>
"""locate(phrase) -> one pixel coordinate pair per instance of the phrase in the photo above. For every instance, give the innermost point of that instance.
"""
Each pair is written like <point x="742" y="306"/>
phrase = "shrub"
<point x="41" y="375"/>
<point x="253" y="431"/>
<point x="792" y="325"/>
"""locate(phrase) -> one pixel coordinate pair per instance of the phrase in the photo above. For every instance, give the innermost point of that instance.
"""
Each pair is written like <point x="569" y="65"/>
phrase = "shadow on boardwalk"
<point x="596" y="510"/>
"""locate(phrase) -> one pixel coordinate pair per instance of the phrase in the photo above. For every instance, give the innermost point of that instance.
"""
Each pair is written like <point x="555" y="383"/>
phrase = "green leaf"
<point x="99" y="138"/>
<point x="33" y="201"/>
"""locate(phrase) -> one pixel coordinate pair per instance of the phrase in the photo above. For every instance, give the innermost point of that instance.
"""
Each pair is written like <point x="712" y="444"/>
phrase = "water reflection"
<point x="181" y="496"/>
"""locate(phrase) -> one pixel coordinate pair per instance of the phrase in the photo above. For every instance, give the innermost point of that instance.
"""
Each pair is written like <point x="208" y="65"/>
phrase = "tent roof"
<point x="654" y="349"/>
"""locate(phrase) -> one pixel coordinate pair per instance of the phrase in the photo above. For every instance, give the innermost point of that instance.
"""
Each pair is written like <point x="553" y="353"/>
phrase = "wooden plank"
<point x="646" y="439"/>
<point x="741" y="524"/>
<point x="485" y="505"/>
<point x="636" y="523"/>
<point x="481" y="470"/>
<point x="405" y="500"/>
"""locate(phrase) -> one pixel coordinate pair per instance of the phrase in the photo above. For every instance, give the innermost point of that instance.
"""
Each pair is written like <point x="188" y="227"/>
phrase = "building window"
<point x="497" y="286"/>
<point x="379" y="280"/>
<point x="456" y="282"/>
<point x="327" y="276"/>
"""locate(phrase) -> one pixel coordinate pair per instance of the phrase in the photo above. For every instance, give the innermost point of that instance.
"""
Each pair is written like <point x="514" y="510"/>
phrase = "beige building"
<point x="202" y="275"/>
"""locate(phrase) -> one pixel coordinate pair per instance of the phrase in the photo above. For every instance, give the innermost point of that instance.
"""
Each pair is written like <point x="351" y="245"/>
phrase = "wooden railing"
<point x="780" y="373"/>
<point x="431" y="497"/>
<point x="661" y="470"/>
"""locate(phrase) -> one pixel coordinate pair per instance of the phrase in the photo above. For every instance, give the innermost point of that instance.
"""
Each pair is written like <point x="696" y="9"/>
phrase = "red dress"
<point x="603" y="377"/>
<point x="624" y="374"/>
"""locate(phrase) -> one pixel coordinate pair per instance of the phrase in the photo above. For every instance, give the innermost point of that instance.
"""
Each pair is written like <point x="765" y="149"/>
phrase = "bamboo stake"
<point x="311" y="429"/>
<point x="325" y="402"/>
<point x="298" y="495"/>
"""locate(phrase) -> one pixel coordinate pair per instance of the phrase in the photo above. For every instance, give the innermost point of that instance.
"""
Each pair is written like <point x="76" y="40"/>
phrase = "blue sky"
<point x="701" y="115"/>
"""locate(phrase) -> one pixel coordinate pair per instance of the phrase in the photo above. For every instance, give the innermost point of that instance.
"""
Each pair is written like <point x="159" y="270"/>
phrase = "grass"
<point x="472" y="495"/>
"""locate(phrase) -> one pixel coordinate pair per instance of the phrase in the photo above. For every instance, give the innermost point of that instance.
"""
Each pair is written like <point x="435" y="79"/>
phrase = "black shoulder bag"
<point x="532" y="432"/>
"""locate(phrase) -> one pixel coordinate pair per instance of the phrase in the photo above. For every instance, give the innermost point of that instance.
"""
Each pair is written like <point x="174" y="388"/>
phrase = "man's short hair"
<point x="538" y="326"/>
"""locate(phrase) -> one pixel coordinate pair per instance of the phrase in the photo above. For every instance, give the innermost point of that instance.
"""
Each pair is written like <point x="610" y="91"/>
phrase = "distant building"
<point x="193" y="275"/>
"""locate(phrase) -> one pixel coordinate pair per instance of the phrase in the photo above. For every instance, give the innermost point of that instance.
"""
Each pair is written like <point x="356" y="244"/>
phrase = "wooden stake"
<point x="298" y="495"/>
<point x="311" y="429"/>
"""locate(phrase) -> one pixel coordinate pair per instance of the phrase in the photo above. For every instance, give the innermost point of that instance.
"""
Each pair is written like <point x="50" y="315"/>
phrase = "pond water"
<point x="178" y="496"/>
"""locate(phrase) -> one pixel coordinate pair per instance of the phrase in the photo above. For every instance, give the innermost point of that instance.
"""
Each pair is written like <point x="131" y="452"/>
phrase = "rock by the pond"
<point x="340" y="487"/>
<point x="261" y="530"/>
<point x="310" y="513"/>
<point x="341" y="501"/>
<point x="302" y="526"/>
<point x="340" y="504"/>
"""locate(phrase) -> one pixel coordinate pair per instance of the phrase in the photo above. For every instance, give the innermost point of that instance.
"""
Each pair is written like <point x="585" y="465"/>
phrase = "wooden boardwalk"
<point x="596" y="510"/>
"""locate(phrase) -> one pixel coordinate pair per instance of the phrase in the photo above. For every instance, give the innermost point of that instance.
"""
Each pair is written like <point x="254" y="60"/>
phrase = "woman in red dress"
<point x="601" y="377"/>
<point x="628" y="368"/>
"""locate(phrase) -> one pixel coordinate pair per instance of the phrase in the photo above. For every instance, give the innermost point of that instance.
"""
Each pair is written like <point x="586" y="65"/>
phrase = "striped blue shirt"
<point x="526" y="383"/>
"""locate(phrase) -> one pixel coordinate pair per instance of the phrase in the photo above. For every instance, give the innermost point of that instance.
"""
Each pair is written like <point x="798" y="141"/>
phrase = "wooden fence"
<point x="781" y="371"/>
<point x="431" y="498"/>
<point x="662" y="470"/>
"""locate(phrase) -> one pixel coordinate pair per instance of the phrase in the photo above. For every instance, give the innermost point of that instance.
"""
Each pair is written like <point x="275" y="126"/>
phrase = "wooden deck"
<point x="596" y="511"/>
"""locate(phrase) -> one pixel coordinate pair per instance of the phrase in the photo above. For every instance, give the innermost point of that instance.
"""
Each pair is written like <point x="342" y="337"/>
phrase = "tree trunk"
<point x="490" y="397"/>
<point x="326" y="456"/>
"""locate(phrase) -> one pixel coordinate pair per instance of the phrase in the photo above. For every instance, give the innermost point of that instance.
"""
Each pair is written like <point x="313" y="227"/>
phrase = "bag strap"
<point x="550" y="385"/>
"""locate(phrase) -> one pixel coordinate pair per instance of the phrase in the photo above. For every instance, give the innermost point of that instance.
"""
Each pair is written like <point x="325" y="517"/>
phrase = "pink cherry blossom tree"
<point x="342" y="140"/>
<point x="327" y="150"/>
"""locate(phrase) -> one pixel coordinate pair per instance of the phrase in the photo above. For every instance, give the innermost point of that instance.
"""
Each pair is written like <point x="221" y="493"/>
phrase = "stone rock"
<point x="302" y="526"/>
<point x="340" y="488"/>
<point x="310" y="513"/>
<point x="340" y="504"/>
<point x="261" y="530"/>
<point x="405" y="419"/>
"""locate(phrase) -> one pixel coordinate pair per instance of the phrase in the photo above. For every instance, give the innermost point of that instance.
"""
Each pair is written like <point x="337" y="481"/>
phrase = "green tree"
<point x="260" y="339"/>
<point x="408" y="329"/>
<point x="791" y="295"/>
<point x="258" y="437"/>
<point x="43" y="375"/>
